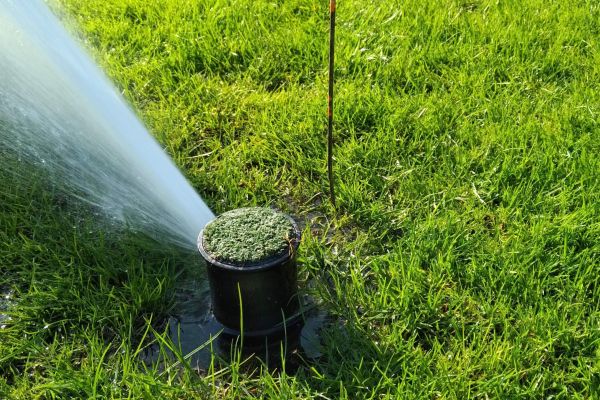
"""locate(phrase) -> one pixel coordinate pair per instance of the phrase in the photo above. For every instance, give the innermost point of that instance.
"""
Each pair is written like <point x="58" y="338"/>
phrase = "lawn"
<point x="463" y="257"/>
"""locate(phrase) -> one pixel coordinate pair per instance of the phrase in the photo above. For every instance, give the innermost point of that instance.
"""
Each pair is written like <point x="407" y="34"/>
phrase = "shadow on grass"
<point x="354" y="365"/>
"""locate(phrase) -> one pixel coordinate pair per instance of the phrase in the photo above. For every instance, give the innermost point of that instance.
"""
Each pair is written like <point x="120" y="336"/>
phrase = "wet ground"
<point x="203" y="340"/>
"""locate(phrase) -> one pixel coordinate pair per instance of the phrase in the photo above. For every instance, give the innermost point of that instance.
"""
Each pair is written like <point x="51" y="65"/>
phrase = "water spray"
<point x="60" y="114"/>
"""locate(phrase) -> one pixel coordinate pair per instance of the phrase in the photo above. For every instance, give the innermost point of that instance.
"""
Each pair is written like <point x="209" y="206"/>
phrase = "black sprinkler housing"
<point x="259" y="298"/>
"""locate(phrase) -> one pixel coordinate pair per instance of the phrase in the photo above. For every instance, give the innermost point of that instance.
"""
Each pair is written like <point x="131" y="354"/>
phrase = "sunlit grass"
<point x="463" y="260"/>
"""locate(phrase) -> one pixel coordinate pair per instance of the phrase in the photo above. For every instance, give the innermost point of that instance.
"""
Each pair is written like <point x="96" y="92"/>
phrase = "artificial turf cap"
<point x="248" y="235"/>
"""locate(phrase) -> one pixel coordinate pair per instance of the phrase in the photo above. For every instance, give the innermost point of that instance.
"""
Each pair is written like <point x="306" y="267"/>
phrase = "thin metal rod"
<point x="330" y="101"/>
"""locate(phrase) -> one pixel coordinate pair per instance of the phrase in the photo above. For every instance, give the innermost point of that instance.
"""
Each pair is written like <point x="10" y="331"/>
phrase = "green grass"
<point x="463" y="260"/>
<point x="250" y="235"/>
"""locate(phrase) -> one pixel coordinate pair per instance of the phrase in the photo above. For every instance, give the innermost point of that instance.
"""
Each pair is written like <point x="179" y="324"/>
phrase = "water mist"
<point x="60" y="113"/>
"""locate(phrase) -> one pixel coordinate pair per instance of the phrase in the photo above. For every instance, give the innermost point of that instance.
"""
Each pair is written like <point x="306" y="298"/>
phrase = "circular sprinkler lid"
<point x="248" y="237"/>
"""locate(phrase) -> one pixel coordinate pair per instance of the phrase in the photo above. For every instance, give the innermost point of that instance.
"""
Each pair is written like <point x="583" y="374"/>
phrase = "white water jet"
<point x="60" y="112"/>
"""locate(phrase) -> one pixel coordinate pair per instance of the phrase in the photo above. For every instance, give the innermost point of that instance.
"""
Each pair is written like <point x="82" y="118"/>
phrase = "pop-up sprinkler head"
<point x="250" y="257"/>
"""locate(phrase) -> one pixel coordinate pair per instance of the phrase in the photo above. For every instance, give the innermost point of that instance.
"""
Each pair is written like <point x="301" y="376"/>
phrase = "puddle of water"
<point x="203" y="340"/>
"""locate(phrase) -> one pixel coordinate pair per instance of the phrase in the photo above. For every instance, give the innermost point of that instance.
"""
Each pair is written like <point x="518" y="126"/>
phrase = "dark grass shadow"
<point x="353" y="363"/>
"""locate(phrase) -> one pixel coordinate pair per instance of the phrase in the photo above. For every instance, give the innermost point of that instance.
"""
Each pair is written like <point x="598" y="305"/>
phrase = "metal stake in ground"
<point x="330" y="100"/>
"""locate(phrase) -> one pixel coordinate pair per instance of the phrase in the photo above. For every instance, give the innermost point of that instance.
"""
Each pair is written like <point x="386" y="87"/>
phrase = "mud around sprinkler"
<point x="250" y="256"/>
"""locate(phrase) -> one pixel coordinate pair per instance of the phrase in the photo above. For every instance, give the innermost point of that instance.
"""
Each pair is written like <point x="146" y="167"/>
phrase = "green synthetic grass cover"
<point x="248" y="235"/>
